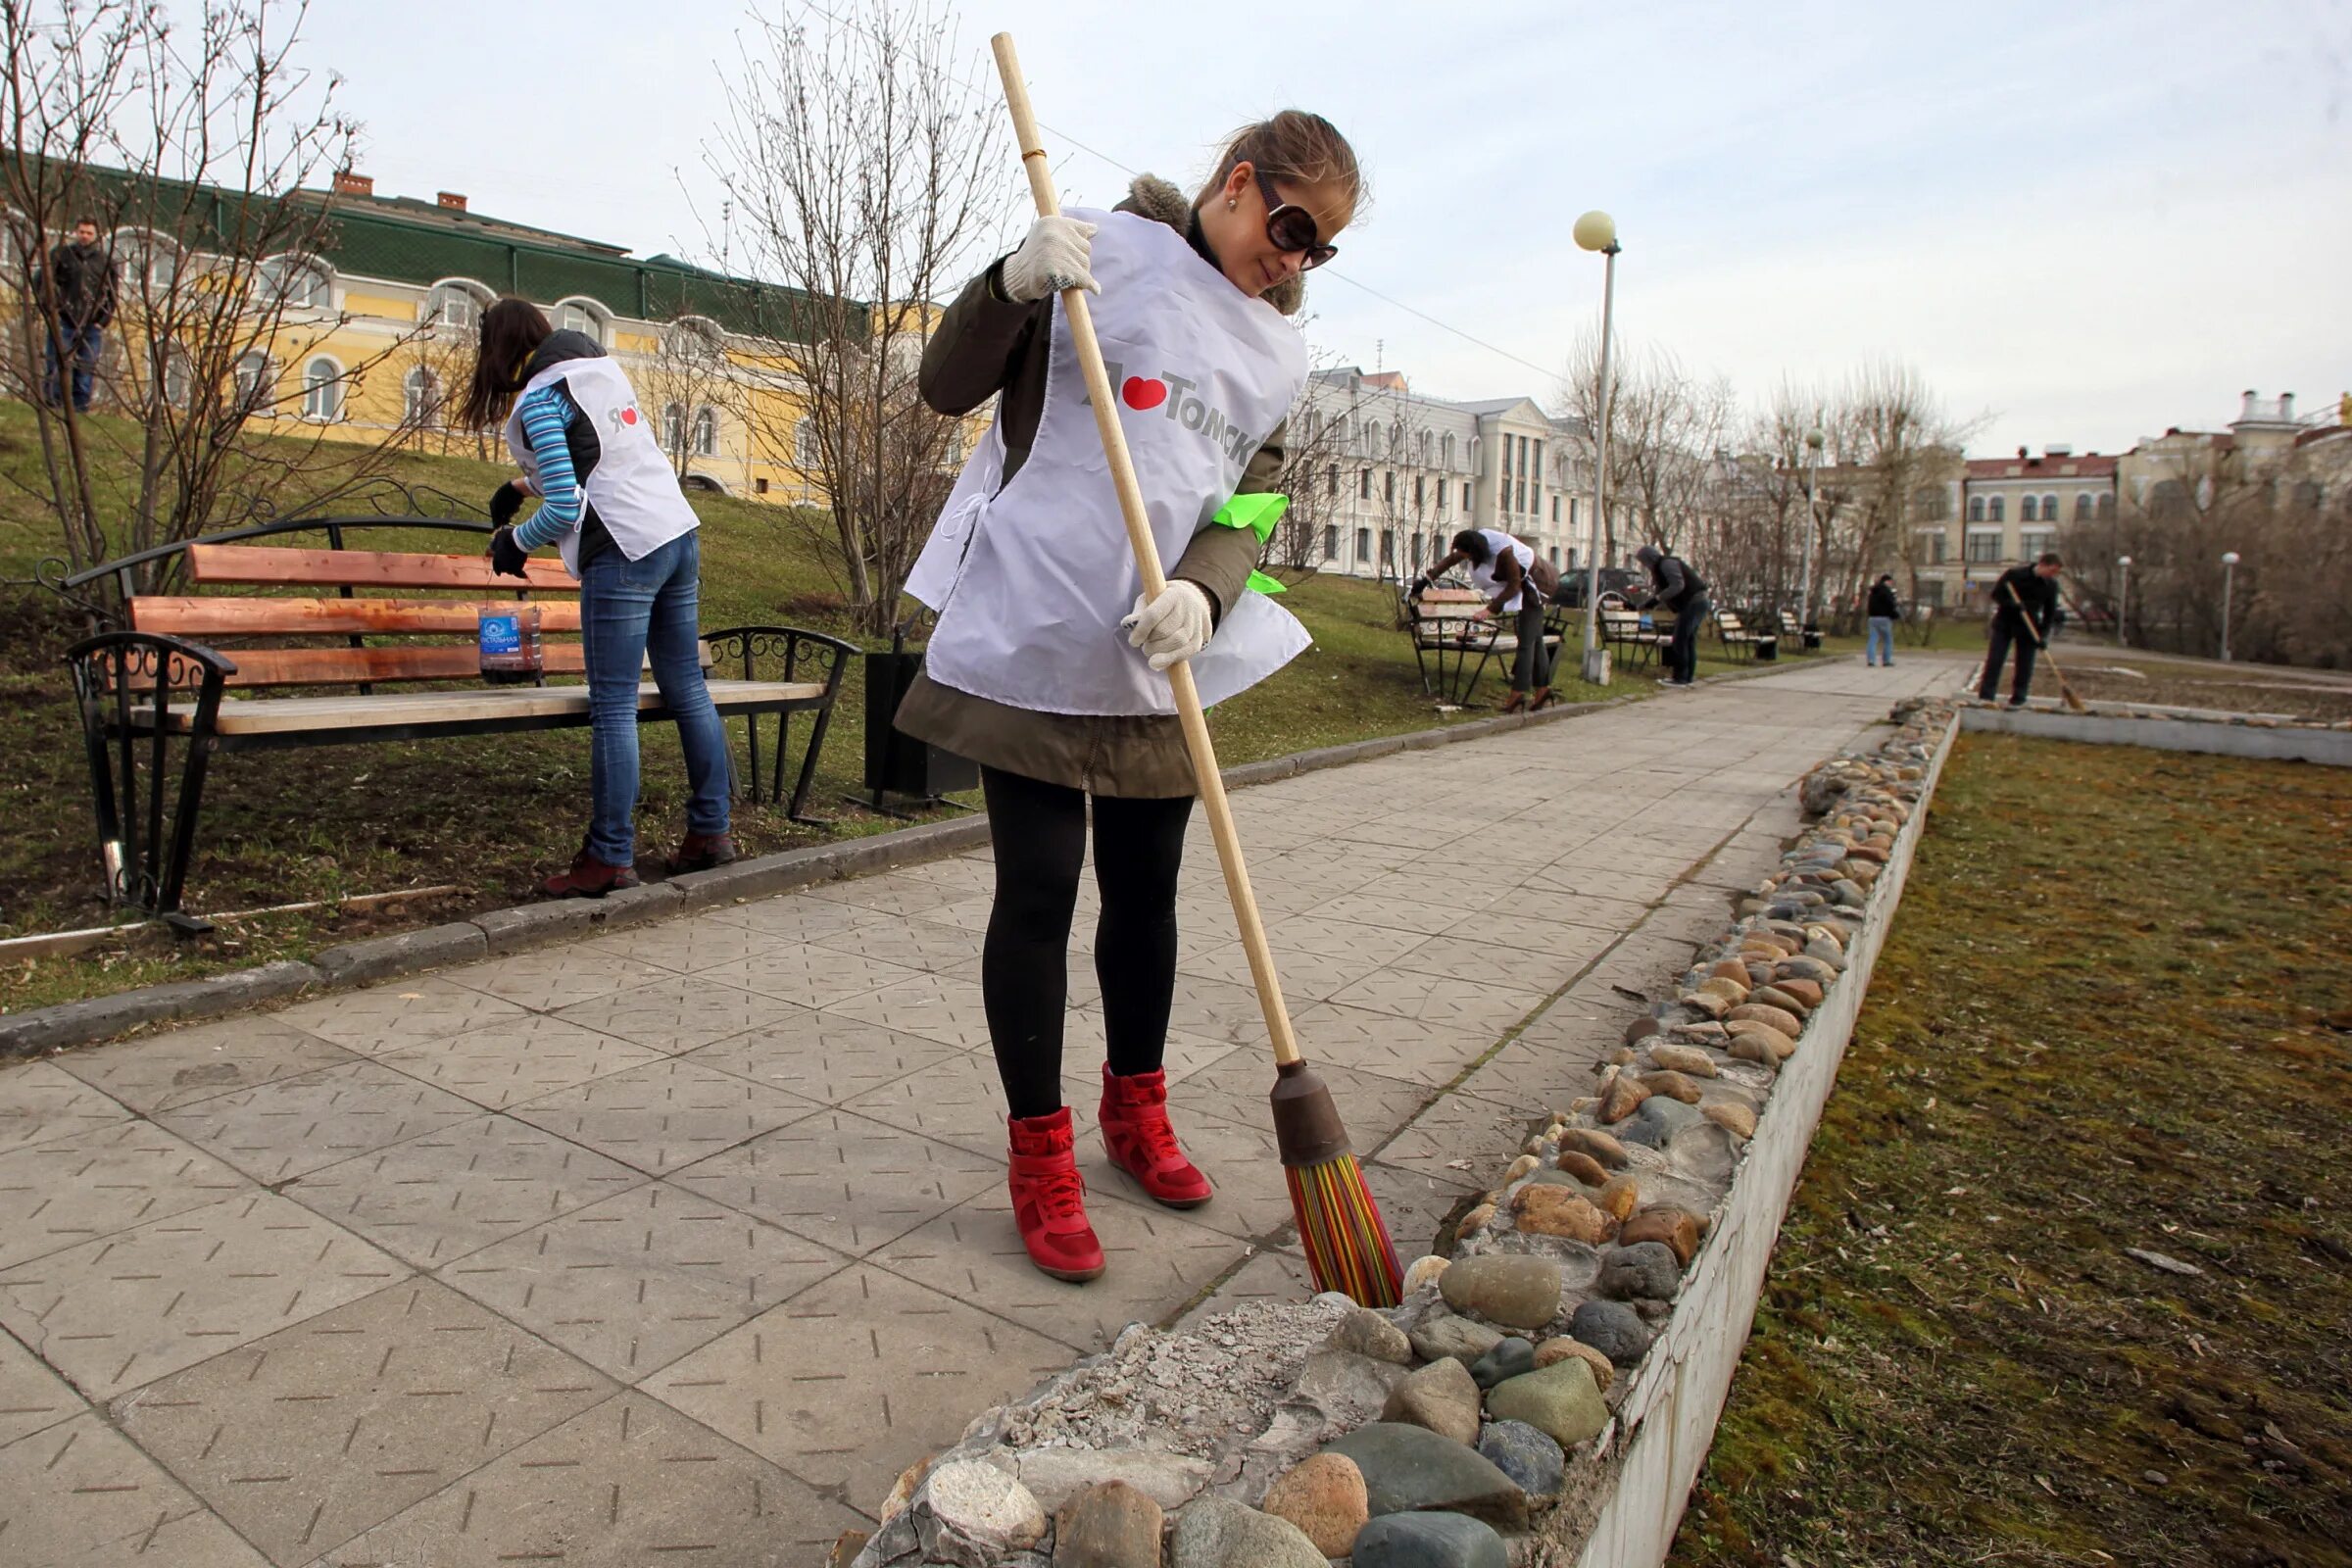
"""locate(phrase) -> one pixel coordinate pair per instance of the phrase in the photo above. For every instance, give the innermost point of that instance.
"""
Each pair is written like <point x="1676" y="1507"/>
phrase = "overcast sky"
<point x="2085" y="222"/>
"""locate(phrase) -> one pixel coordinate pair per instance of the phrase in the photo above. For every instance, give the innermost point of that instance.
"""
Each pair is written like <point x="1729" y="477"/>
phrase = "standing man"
<point x="1675" y="585"/>
<point x="77" y="294"/>
<point x="1882" y="613"/>
<point x="2023" y="591"/>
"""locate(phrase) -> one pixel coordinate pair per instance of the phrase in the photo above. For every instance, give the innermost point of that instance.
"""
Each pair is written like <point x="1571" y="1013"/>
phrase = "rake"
<point x="1345" y="1240"/>
<point x="2066" y="693"/>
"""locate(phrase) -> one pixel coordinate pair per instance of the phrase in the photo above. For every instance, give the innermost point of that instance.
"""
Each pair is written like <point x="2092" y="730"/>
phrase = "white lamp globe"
<point x="2230" y="558"/>
<point x="1596" y="230"/>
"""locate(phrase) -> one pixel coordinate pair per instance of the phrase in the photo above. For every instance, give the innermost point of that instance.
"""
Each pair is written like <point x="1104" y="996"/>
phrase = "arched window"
<point x="1975" y="508"/>
<point x="1994" y="511"/>
<point x="295" y="280"/>
<point x="321" y="389"/>
<point x="2107" y="506"/>
<point x="146" y="262"/>
<point x="705" y="432"/>
<point x="696" y="338"/>
<point x="457" y="303"/>
<point x="1446" y="451"/>
<point x="420" y="399"/>
<point x="1928" y="503"/>
<point x="253" y="382"/>
<point x="2027" y="509"/>
<point x="673" y="427"/>
<point x="1427" y="440"/>
<point x="177" y="374"/>
<point x="2049" y="509"/>
<point x="805" y="450"/>
<point x="2083" y="506"/>
<point x="584" y="317"/>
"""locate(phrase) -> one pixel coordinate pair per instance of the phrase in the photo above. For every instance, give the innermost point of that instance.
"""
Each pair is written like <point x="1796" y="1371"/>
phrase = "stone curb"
<point x="497" y="932"/>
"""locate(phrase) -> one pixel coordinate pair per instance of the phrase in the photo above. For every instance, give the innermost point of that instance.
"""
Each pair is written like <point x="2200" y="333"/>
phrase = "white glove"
<point x="1054" y="257"/>
<point x="1172" y="627"/>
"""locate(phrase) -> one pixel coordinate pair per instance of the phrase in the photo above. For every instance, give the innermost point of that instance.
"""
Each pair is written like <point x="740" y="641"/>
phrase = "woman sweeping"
<point x="1506" y="569"/>
<point x="610" y="503"/>
<point x="1047" y="665"/>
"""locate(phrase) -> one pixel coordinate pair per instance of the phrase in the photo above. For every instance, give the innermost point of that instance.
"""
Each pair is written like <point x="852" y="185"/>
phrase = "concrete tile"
<point x="306" y="1437"/>
<point x="1461" y="1141"/>
<point x="399" y="1014"/>
<point x="140" y="1304"/>
<point x="1086" y="1047"/>
<point x="808" y="976"/>
<point x="822" y="1058"/>
<point x="931" y="945"/>
<point x="1236" y="1088"/>
<point x="904" y="894"/>
<point x="794" y="920"/>
<point x="854" y="1379"/>
<point x="507" y="1062"/>
<point x="69" y="1190"/>
<point x="33" y="1399"/>
<point x="553" y="977"/>
<point x="944" y="1008"/>
<point x="441" y="1197"/>
<point x="82" y="1494"/>
<point x="845" y="1181"/>
<point x="296" y="1125"/>
<point x="1157" y="1261"/>
<point x="1411" y="1204"/>
<point x="681" y="1013"/>
<point x="1535" y="953"/>
<point x="664" y="1115"/>
<point x="958" y="1100"/>
<point x="1477" y="1008"/>
<point x="631" y="1284"/>
<point x="1269" y="1276"/>
<point x="40" y="1101"/>
<point x="181" y="1066"/>
<point x="628" y="1484"/>
<point x="1406" y="1049"/>
<point x="686" y="946"/>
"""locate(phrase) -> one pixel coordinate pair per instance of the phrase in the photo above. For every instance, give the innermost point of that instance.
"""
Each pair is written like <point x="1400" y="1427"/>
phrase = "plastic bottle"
<point x="509" y="641"/>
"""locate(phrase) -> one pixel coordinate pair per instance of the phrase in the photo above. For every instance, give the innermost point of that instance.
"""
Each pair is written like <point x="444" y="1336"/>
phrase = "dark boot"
<point x="701" y="851"/>
<point x="1049" y="1198"/>
<point x="1143" y="1144"/>
<point x="588" y="878"/>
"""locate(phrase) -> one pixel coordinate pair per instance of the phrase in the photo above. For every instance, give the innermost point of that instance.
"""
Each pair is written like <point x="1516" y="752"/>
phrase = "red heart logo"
<point x="629" y="415"/>
<point x="1144" y="393"/>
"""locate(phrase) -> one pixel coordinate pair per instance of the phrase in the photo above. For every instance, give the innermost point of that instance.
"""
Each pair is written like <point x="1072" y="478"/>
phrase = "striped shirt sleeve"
<point x="545" y="414"/>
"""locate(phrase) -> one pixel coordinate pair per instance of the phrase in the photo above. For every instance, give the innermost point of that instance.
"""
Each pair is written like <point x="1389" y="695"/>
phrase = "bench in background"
<point x="1452" y="650"/>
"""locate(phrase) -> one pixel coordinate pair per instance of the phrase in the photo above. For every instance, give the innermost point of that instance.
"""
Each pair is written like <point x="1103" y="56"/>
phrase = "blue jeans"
<point x="82" y="343"/>
<point x="630" y="610"/>
<point x="1882" y="636"/>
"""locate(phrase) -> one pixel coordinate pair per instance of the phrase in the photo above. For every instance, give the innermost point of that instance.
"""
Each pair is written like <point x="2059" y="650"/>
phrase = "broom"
<point x="2066" y="693"/>
<point x="1346" y="1244"/>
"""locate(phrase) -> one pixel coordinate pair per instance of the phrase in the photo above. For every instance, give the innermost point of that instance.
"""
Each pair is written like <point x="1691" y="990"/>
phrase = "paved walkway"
<point x="678" y="1245"/>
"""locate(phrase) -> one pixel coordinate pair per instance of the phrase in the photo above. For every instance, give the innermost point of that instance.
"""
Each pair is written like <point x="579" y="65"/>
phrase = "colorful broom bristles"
<point x="1348" y="1246"/>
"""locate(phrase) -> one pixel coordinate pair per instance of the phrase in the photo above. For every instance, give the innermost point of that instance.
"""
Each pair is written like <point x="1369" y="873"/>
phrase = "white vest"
<point x="632" y="487"/>
<point x="1483" y="577"/>
<point x="1031" y="577"/>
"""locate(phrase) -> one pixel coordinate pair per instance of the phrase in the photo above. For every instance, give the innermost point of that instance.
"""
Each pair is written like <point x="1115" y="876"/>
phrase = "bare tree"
<point x="1315" y="442"/>
<point x="1887" y="430"/>
<point x="688" y="380"/>
<point x="192" y="148"/>
<point x="871" y="179"/>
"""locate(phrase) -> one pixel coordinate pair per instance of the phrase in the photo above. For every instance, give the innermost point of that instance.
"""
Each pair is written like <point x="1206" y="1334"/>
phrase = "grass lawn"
<point x="2114" y="1013"/>
<point x="491" y="815"/>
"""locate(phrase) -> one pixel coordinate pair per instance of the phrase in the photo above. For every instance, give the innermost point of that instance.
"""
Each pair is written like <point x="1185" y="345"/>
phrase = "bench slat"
<point x="348" y="667"/>
<point x="279" y="567"/>
<point x="310" y="714"/>
<point x="191" y="615"/>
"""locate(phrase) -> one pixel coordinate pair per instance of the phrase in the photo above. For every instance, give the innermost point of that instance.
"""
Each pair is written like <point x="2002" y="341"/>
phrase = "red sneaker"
<point x="1136" y="1130"/>
<point x="701" y="851"/>
<point x="588" y="878"/>
<point x="1049" y="1198"/>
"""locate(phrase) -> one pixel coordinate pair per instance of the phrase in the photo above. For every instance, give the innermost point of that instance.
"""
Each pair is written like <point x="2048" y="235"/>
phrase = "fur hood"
<point x="1154" y="197"/>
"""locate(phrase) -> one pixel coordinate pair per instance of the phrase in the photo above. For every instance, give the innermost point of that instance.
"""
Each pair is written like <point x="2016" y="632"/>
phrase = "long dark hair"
<point x="511" y="331"/>
<point x="1470" y="542"/>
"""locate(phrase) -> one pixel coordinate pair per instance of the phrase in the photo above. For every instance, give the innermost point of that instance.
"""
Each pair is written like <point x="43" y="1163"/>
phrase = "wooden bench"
<point x="1452" y="648"/>
<point x="1736" y="637"/>
<point x="224" y="671"/>
<point x="1792" y="634"/>
<point x="1632" y="637"/>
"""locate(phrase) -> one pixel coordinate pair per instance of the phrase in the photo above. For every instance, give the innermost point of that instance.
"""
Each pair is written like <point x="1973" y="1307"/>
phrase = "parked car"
<point x="1622" y="581"/>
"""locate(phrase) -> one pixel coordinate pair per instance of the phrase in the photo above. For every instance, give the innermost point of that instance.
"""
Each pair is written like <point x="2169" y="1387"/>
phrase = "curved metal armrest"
<point x="832" y="655"/>
<point x="147" y="653"/>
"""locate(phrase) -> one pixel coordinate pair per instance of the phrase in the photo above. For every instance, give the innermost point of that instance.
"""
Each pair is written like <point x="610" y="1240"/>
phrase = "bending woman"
<point x="1504" y="569"/>
<point x="612" y="506"/>
<point x="1043" y="671"/>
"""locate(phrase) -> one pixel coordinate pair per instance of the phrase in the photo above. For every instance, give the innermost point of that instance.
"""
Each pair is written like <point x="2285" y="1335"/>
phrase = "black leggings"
<point x="1039" y="831"/>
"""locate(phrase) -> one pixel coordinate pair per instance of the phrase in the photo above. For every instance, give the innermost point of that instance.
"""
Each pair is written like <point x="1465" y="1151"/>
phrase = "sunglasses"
<point x="1292" y="229"/>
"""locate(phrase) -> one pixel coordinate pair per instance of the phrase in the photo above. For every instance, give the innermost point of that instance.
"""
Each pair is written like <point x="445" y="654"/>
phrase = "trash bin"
<point x="897" y="763"/>
<point x="1768" y="650"/>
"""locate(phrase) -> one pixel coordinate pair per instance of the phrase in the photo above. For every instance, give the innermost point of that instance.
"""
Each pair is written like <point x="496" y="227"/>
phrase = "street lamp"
<point x="1598" y="231"/>
<point x="2123" y="603"/>
<point x="2228" y="579"/>
<point x="1815" y="440"/>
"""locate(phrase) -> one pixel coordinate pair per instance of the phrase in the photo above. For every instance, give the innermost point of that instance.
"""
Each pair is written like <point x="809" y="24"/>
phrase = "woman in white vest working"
<point x="610" y="503"/>
<point x="1047" y="666"/>
<point x="1504" y="569"/>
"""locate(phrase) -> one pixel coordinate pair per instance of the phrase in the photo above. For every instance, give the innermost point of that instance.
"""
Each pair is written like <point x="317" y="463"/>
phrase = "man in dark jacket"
<point x="1675" y="585"/>
<point x="1884" y="612"/>
<point x="2021" y="591"/>
<point x="76" y="293"/>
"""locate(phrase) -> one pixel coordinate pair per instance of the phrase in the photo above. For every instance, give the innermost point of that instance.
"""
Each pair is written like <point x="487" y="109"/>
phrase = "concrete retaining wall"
<point x="2268" y="741"/>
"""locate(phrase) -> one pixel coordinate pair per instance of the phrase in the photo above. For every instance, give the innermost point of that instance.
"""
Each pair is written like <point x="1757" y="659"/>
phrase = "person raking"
<point x="1047" y="665"/>
<point x="2021" y="591"/>
<point x="1675" y="585"/>
<point x="609" y="501"/>
<point x="1513" y="577"/>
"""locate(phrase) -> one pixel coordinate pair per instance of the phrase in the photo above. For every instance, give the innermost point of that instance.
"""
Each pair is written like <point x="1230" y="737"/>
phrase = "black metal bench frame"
<point x="122" y="679"/>
<point x="1446" y="674"/>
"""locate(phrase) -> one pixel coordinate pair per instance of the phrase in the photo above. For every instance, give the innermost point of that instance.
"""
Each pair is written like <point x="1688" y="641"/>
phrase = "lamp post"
<point x="1598" y="231"/>
<point x="1815" y="440"/>
<point x="2123" y="603"/>
<point x="2229" y="581"/>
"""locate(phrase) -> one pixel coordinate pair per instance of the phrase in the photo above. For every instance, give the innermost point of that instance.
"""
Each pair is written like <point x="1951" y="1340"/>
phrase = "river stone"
<point x="973" y="1514"/>
<point x="1658" y="1120"/>
<point x="1806" y="968"/>
<point x="1619" y="1197"/>
<point x="1621" y="1097"/>
<point x="1732" y="992"/>
<point x="1440" y="1397"/>
<point x="1424" y="1272"/>
<point x="1753" y="1048"/>
<point x="1584" y="1167"/>
<point x="1323" y="1495"/>
<point x="1673" y="1085"/>
<point x="1546" y="1210"/>
<point x="1708" y="1003"/>
<point x="1109" y="1526"/>
<point x="1731" y="1117"/>
<point x="1612" y="1328"/>
<point x="1640" y="1270"/>
<point x="1676" y="1228"/>
<point x="1508" y="1359"/>
<point x="1640" y="1029"/>
<point x="1804" y="988"/>
<point x="1213" y="1533"/>
<point x="1780" y="1018"/>
<point x="1437" y="1337"/>
<point x="1786" y="1001"/>
<point x="1350" y="1388"/>
<point x="1054" y="1476"/>
<point x="1407" y="1469"/>
<point x="1429" y="1540"/>
<point x="1689" y="1061"/>
<point x="1780" y="1045"/>
<point x="1364" y="1332"/>
<point x="1521" y="1292"/>
<point x="1526" y="1455"/>
<point x="1591" y="1142"/>
<point x="1554" y="1351"/>
<point x="1818" y="952"/>
<point x="1561" y="1402"/>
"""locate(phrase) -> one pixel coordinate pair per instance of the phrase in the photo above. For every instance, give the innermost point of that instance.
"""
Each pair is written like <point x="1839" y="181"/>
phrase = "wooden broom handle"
<point x="1205" y="775"/>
